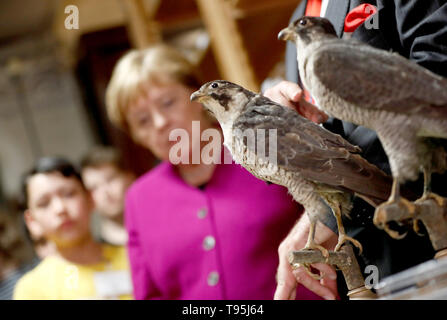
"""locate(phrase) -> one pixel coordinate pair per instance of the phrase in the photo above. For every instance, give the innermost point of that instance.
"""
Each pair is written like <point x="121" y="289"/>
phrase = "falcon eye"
<point x="303" y="22"/>
<point x="214" y="85"/>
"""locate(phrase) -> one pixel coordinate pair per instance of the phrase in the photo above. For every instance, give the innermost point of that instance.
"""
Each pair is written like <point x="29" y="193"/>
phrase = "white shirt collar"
<point x="324" y="8"/>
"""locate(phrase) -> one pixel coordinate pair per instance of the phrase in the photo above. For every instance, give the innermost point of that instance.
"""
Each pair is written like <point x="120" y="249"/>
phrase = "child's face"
<point x="59" y="208"/>
<point x="108" y="186"/>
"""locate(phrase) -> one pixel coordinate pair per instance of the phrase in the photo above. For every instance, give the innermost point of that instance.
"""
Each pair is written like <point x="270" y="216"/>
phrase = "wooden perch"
<point x="434" y="217"/>
<point x="346" y="261"/>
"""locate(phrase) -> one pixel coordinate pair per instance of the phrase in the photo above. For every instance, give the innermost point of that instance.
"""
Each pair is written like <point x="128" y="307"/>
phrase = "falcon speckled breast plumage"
<point x="403" y="102"/>
<point x="320" y="169"/>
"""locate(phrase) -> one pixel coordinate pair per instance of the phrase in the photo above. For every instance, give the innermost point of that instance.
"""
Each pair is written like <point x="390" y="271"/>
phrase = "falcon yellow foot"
<point x="400" y="202"/>
<point x="393" y="233"/>
<point x="441" y="201"/>
<point x="428" y="194"/>
<point x="314" y="246"/>
<point x="380" y="216"/>
<point x="416" y="227"/>
<point x="306" y="266"/>
<point x="395" y="203"/>
<point x="344" y="238"/>
<point x="308" y="270"/>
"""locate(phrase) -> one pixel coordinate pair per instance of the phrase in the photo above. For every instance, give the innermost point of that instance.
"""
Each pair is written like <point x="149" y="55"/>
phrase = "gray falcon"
<point x="320" y="169"/>
<point x="403" y="102"/>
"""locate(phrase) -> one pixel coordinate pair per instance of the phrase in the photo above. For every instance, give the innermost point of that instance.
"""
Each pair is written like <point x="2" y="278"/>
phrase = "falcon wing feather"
<point x="313" y="152"/>
<point x="356" y="72"/>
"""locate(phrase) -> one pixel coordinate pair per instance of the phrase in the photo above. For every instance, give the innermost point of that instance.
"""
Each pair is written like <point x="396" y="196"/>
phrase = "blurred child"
<point x="107" y="180"/>
<point x="59" y="208"/>
<point x="42" y="247"/>
<point x="15" y="254"/>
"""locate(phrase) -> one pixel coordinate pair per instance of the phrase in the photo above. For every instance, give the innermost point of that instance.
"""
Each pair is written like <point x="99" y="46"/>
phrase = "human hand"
<point x="289" y="94"/>
<point x="325" y="287"/>
<point x="288" y="279"/>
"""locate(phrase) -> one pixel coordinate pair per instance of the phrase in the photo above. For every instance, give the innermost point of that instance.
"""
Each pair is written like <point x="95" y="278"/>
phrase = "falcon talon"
<point x="399" y="208"/>
<point x="316" y="247"/>
<point x="308" y="270"/>
<point x="394" y="234"/>
<point x="343" y="239"/>
<point x="416" y="227"/>
<point x="441" y="201"/>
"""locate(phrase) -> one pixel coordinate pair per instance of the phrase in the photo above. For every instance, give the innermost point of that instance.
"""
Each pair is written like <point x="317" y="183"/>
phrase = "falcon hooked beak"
<point x="201" y="97"/>
<point x="286" y="34"/>
<point x="196" y="96"/>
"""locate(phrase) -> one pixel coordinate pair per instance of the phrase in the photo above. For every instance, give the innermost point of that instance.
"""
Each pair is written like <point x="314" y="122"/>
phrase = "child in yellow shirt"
<point x="59" y="208"/>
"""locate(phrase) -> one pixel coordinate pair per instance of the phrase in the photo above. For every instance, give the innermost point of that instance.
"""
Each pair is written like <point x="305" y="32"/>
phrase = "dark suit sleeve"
<point x="422" y="30"/>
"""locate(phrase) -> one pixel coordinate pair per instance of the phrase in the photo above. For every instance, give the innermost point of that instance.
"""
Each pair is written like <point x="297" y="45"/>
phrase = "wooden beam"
<point x="251" y="8"/>
<point x="227" y="43"/>
<point x="143" y="31"/>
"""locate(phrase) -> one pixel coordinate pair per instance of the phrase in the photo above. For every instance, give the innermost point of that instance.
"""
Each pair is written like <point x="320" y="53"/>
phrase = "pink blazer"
<point x="217" y="243"/>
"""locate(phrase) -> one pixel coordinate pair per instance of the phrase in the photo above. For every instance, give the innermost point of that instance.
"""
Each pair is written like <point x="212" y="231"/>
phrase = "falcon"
<point x="403" y="102"/>
<point x="320" y="169"/>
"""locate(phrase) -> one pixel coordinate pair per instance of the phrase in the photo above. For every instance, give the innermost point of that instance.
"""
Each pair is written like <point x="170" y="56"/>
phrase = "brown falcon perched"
<point x="320" y="169"/>
<point x="403" y="102"/>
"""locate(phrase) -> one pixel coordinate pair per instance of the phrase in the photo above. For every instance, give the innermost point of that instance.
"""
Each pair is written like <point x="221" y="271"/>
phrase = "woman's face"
<point x="165" y="107"/>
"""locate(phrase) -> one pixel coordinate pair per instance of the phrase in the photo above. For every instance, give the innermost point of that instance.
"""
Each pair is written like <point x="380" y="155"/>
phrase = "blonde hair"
<point x="157" y="64"/>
